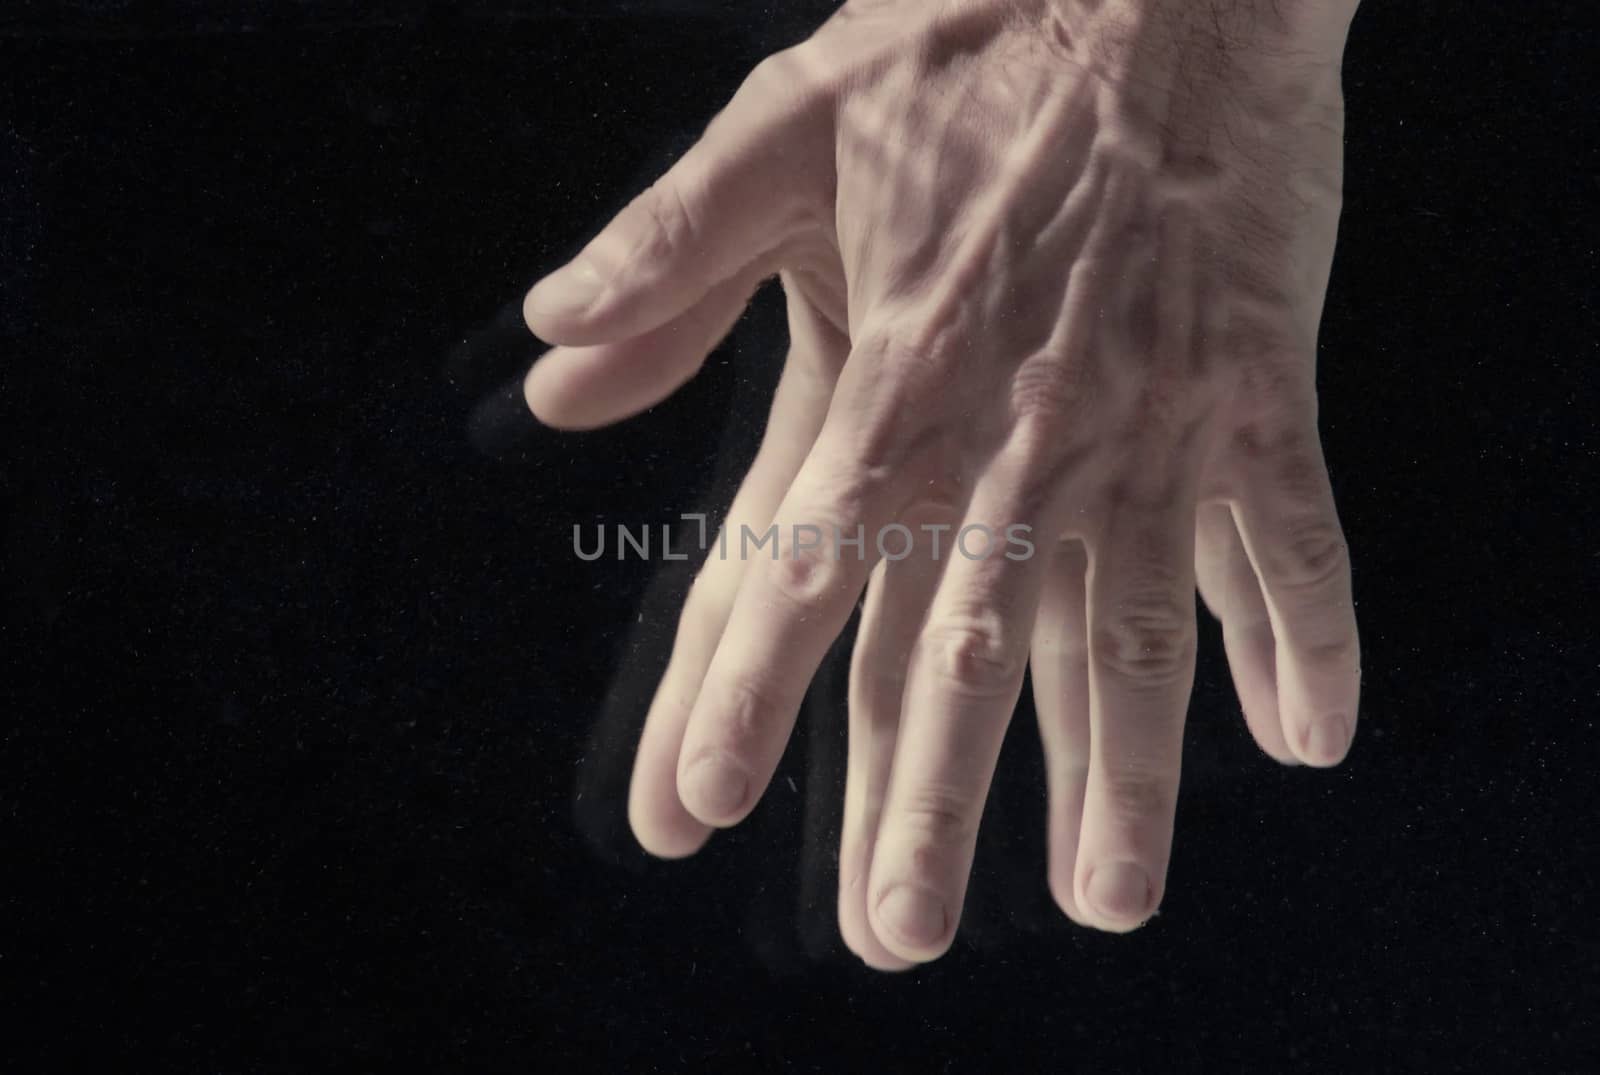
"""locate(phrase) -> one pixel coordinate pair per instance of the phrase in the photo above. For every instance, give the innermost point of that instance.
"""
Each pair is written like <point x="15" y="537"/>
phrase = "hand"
<point x="1054" y="263"/>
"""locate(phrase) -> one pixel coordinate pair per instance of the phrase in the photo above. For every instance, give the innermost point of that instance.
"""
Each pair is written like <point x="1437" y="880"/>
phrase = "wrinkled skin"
<point x="1048" y="262"/>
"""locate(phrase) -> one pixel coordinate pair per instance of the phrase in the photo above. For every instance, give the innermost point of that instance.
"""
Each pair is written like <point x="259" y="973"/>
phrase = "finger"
<point x="1232" y="592"/>
<point x="803" y="584"/>
<point x="964" y="680"/>
<point x="1059" y="662"/>
<point x="797" y="593"/>
<point x="589" y="387"/>
<point x="732" y="200"/>
<point x="658" y="818"/>
<point x="1291" y="532"/>
<point x="1141" y="667"/>
<point x="902" y="586"/>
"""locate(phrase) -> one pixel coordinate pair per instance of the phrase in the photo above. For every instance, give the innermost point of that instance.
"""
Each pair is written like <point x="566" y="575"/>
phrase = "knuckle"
<point x="917" y="348"/>
<point x="935" y="504"/>
<point x="1049" y="397"/>
<point x="841" y="486"/>
<point x="805" y="578"/>
<point x="911" y="334"/>
<point x="938" y="498"/>
<point x="742" y="706"/>
<point x="940" y="817"/>
<point x="771" y="72"/>
<point x="1050" y="389"/>
<point x="1342" y="654"/>
<point x="797" y="75"/>
<point x="1313" y="560"/>
<point x="1278" y="406"/>
<point x="1137" y="793"/>
<point x="1295" y="473"/>
<point x="1150" y="641"/>
<point x="878" y="444"/>
<point x="668" y="206"/>
<point x="902" y="384"/>
<point x="971" y="657"/>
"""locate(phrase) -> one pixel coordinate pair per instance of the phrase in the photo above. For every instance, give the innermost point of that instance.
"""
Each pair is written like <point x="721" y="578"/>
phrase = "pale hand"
<point x="1048" y="262"/>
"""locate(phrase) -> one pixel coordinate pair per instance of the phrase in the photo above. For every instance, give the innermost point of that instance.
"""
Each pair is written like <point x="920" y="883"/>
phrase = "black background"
<point x="301" y="678"/>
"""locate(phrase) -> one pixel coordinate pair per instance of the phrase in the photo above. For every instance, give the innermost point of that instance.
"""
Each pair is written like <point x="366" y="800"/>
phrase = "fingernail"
<point x="1327" y="740"/>
<point x="714" y="789"/>
<point x="1120" y="891"/>
<point x="916" y="916"/>
<point x="569" y="292"/>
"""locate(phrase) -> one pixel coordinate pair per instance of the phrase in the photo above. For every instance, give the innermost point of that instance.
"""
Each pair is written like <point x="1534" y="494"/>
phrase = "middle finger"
<point x="964" y="679"/>
<point x="1141" y="619"/>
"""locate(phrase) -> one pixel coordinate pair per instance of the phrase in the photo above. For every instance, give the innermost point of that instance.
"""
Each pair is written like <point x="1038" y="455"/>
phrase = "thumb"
<point x="729" y="203"/>
<point x="588" y="387"/>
